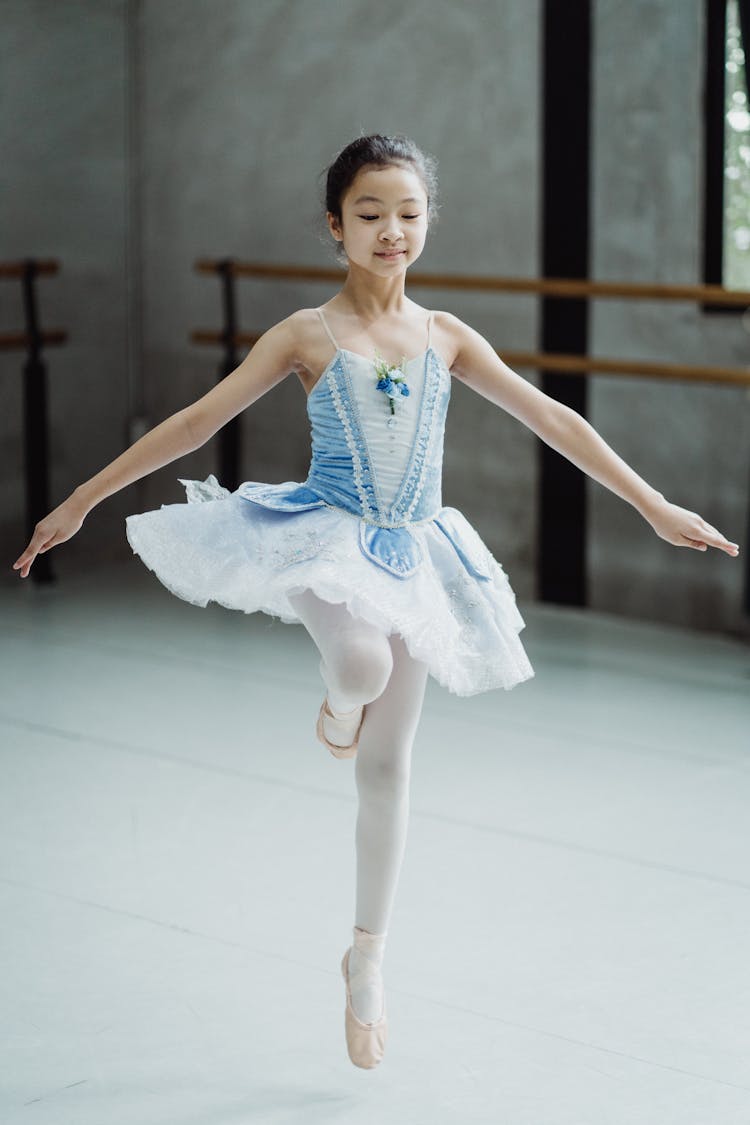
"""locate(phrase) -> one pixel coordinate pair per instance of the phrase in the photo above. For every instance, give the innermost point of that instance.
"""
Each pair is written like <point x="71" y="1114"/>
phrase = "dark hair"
<point x="380" y="152"/>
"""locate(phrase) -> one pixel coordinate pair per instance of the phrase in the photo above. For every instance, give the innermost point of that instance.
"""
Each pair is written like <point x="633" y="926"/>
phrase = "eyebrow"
<point x="374" y="199"/>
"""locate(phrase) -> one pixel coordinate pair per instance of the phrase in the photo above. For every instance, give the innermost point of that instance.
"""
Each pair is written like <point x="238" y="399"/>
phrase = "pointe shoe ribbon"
<point x="365" y="1042"/>
<point x="344" y="729"/>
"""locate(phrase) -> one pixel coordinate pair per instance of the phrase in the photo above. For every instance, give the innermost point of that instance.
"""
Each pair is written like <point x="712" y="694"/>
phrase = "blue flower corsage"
<point x="391" y="381"/>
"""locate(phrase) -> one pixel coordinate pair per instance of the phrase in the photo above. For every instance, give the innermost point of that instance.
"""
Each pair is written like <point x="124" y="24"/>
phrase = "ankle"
<point x="365" y="976"/>
<point x="370" y="946"/>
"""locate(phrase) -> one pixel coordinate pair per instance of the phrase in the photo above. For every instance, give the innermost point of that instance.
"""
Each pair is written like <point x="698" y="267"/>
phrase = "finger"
<point x="713" y="541"/>
<point x="696" y="544"/>
<point x="46" y="546"/>
<point x="28" y="555"/>
<point x="713" y="536"/>
<point x="716" y="539"/>
<point x="36" y="541"/>
<point x="54" y="539"/>
<point x="27" y="567"/>
<point x="28" y="550"/>
<point x="46" y="540"/>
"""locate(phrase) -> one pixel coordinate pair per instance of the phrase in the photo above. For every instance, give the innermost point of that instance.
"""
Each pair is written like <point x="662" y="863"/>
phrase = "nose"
<point x="392" y="230"/>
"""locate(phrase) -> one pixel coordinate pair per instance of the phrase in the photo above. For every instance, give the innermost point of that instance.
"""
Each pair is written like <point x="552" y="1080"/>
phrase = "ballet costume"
<point x="391" y="585"/>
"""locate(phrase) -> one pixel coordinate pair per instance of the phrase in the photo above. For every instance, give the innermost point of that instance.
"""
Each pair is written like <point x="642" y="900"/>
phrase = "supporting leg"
<point x="361" y="665"/>
<point x="382" y="773"/>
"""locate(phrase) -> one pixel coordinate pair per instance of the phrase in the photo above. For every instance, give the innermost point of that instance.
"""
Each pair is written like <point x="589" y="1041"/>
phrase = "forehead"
<point x="394" y="184"/>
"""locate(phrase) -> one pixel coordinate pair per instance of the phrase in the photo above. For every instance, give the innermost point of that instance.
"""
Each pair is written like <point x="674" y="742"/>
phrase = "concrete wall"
<point x="64" y="183"/>
<point x="238" y="109"/>
<point x="691" y="441"/>
<point x="231" y="165"/>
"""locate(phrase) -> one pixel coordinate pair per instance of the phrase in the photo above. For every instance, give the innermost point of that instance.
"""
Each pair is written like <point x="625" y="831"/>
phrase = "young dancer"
<point x="391" y="585"/>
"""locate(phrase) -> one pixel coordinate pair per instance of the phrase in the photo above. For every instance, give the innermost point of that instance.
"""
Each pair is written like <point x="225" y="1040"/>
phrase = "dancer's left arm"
<point x="478" y="365"/>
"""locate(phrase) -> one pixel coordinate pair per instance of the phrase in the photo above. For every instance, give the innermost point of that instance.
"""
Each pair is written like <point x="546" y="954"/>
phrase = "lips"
<point x="391" y="254"/>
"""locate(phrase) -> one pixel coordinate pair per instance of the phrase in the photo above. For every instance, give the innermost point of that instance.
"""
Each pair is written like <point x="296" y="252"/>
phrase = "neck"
<point x="374" y="298"/>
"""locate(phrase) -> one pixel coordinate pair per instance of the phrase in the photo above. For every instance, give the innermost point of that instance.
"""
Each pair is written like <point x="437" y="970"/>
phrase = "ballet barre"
<point x="712" y="298"/>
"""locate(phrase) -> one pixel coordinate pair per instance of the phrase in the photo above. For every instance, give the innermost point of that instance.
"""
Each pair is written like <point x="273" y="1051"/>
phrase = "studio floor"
<point x="569" y="943"/>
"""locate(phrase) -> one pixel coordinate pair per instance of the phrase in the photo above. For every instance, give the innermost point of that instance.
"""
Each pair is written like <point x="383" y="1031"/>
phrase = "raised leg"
<point x="356" y="660"/>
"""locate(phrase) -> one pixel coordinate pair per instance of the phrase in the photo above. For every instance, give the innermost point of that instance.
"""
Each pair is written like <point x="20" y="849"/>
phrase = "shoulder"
<point x="286" y="345"/>
<point x="451" y="337"/>
<point x="303" y="321"/>
<point x="278" y="343"/>
<point x="290" y="341"/>
<point x="477" y="365"/>
<point x="307" y="337"/>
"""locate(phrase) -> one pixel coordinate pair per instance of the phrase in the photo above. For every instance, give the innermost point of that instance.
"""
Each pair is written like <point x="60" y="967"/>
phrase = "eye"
<point x="375" y="216"/>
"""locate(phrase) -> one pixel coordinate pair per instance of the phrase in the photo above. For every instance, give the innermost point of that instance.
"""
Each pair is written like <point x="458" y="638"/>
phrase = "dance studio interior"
<point x="542" y="798"/>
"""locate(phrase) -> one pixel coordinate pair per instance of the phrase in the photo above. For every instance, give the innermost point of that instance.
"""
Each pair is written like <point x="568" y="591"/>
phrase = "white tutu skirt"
<point x="250" y="558"/>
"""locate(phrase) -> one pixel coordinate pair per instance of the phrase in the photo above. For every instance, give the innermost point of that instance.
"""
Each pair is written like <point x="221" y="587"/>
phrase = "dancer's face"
<point x="394" y="218"/>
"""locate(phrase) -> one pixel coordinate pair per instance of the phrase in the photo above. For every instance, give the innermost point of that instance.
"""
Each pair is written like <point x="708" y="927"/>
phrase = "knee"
<point x="362" y="666"/>
<point x="385" y="776"/>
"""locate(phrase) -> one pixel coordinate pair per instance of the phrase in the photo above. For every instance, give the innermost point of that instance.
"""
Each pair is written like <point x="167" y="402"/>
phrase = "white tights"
<point x="360" y="664"/>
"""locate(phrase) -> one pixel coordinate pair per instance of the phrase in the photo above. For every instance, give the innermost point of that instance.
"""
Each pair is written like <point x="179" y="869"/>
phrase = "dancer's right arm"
<point x="269" y="361"/>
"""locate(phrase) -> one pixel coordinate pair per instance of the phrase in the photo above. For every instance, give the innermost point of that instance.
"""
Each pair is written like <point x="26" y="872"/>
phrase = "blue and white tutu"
<point x="367" y="529"/>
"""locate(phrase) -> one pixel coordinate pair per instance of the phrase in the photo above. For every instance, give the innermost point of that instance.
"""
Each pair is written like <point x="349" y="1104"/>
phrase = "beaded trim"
<point x="378" y="523"/>
<point x="414" y="479"/>
<point x="360" y="431"/>
<point x="344" y="411"/>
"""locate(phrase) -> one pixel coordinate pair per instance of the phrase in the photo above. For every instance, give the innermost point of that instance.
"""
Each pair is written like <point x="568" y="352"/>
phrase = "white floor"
<point x="569" y="944"/>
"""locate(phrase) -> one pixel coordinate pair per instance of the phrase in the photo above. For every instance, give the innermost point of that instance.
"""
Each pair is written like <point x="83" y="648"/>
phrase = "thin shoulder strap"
<point x="328" y="330"/>
<point x="429" y="328"/>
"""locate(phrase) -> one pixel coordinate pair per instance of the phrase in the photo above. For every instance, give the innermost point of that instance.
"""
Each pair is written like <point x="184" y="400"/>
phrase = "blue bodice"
<point x="344" y="469"/>
<point x="346" y="474"/>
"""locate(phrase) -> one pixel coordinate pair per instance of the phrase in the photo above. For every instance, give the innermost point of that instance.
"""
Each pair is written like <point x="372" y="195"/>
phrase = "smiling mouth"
<point x="390" y="254"/>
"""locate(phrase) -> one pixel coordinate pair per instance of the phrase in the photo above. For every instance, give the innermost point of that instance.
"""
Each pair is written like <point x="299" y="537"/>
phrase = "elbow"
<point x="562" y="428"/>
<point x="196" y="430"/>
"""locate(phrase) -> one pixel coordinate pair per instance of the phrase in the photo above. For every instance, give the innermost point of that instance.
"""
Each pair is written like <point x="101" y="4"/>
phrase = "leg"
<point x="382" y="773"/>
<point x="362" y="665"/>
<point x="356" y="657"/>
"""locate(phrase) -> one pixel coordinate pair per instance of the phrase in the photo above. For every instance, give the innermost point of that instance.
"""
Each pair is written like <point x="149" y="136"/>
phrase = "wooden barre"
<point x="575" y="364"/>
<point x="556" y="361"/>
<point x="548" y="286"/>
<point x="18" y="269"/>
<point x="12" y="341"/>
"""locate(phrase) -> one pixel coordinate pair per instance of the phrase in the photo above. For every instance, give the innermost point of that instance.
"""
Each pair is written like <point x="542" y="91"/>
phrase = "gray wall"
<point x="238" y="108"/>
<point x="691" y="441"/>
<point x="64" y="184"/>
<point x="229" y="169"/>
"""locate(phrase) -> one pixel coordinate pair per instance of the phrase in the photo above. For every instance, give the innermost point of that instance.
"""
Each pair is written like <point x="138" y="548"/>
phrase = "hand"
<point x="686" y="529"/>
<point x="59" y="525"/>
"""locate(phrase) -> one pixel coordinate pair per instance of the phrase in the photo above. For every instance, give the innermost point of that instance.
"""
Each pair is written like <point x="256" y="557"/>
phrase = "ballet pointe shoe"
<point x="340" y="728"/>
<point x="365" y="1042"/>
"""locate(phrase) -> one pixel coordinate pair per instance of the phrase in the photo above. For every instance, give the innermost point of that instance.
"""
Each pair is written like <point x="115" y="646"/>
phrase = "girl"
<point x="391" y="585"/>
